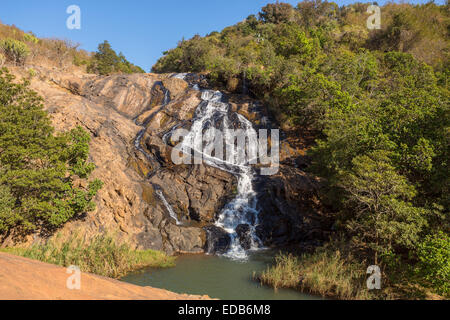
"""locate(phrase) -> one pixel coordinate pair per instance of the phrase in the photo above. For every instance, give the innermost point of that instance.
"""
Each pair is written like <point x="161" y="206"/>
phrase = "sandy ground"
<point x="25" y="279"/>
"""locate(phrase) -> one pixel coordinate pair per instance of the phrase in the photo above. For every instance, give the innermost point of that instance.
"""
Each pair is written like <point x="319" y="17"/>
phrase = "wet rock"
<point x="245" y="238"/>
<point x="195" y="192"/>
<point x="290" y="211"/>
<point x="217" y="240"/>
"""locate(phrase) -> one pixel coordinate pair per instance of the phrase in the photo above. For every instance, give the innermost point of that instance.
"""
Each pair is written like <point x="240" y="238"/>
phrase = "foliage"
<point x="29" y="37"/>
<point x="381" y="215"/>
<point x="377" y="102"/>
<point x="106" y="61"/>
<point x="434" y="265"/>
<point x="15" y="50"/>
<point x="38" y="168"/>
<point x="102" y="255"/>
<point x="276" y="13"/>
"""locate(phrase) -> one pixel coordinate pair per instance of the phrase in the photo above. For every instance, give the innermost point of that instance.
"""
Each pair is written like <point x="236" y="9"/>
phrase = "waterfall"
<point x="214" y="113"/>
<point x="168" y="207"/>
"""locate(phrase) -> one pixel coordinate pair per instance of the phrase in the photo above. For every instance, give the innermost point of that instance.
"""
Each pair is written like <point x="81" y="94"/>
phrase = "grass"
<point x="323" y="273"/>
<point x="102" y="256"/>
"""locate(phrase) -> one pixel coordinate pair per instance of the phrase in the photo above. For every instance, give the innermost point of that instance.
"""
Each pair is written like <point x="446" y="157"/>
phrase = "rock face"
<point x="218" y="241"/>
<point x="127" y="205"/>
<point x="195" y="192"/>
<point x="243" y="232"/>
<point x="289" y="208"/>
<point x="144" y="193"/>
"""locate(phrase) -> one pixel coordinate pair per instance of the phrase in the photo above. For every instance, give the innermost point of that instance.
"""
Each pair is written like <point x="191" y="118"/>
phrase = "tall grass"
<point x="103" y="255"/>
<point x="324" y="273"/>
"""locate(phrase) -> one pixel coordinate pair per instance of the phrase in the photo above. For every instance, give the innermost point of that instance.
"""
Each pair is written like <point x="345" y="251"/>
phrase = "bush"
<point x="28" y="37"/>
<point x="15" y="50"/>
<point x="39" y="170"/>
<point x="103" y="255"/>
<point x="2" y="59"/>
<point x="434" y="266"/>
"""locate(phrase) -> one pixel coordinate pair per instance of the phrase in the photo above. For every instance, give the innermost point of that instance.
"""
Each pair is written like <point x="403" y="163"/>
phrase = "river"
<point x="216" y="276"/>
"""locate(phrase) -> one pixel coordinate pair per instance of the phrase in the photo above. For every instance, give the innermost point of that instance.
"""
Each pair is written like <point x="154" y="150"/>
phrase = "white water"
<point x="168" y="207"/>
<point x="214" y="113"/>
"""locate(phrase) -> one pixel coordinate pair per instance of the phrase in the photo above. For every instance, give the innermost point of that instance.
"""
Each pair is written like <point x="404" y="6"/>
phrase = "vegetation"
<point x="107" y="61"/>
<point x="325" y="273"/>
<point x="377" y="103"/>
<point x="434" y="254"/>
<point x="20" y="47"/>
<point x="16" y="51"/>
<point x="38" y="168"/>
<point x="103" y="255"/>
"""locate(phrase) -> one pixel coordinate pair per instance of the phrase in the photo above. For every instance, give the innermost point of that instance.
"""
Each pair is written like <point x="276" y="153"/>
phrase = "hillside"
<point x="86" y="147"/>
<point x="372" y="109"/>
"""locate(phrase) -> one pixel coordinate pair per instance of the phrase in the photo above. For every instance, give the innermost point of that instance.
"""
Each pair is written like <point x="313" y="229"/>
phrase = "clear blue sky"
<point x="141" y="29"/>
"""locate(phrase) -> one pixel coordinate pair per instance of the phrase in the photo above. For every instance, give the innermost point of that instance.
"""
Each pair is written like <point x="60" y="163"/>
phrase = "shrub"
<point x="103" y="255"/>
<point x="38" y="168"/>
<point x="29" y="37"/>
<point x="15" y="50"/>
<point x="32" y="73"/>
<point x="2" y="59"/>
<point x="434" y="266"/>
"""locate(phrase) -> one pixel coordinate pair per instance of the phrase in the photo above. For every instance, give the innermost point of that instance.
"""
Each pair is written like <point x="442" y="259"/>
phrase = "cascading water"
<point x="213" y="113"/>
<point x="168" y="207"/>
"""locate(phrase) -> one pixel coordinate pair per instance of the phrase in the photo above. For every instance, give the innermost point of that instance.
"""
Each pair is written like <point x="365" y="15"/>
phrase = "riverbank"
<point x="26" y="279"/>
<point x="103" y="255"/>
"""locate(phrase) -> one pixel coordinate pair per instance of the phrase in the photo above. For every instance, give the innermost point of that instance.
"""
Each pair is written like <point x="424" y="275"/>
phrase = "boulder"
<point x="218" y="241"/>
<point x="245" y="238"/>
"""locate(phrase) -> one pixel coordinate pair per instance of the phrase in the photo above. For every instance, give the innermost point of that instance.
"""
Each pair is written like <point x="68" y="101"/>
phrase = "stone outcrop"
<point x="290" y="211"/>
<point x="218" y="241"/>
<point x="129" y="118"/>
<point x="127" y="205"/>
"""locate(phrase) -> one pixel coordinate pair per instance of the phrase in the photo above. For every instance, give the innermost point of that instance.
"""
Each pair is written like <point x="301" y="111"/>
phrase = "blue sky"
<point x="141" y="29"/>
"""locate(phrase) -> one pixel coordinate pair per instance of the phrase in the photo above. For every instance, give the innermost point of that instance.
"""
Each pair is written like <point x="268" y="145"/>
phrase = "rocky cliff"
<point x="128" y="117"/>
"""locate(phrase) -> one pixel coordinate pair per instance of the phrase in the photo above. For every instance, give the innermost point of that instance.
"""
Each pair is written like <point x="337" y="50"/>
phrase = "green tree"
<point x="276" y="12"/>
<point x="434" y="265"/>
<point x="38" y="168"/>
<point x="382" y="218"/>
<point x="106" y="61"/>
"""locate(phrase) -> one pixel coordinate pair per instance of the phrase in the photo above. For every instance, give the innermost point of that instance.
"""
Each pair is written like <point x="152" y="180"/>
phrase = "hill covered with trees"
<point x="377" y="104"/>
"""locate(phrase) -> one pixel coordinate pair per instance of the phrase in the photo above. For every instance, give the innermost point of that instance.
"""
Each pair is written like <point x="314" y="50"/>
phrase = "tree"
<point x="382" y="217"/>
<point x="276" y="12"/>
<point x="106" y="61"/>
<point x="38" y="168"/>
<point x="434" y="261"/>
